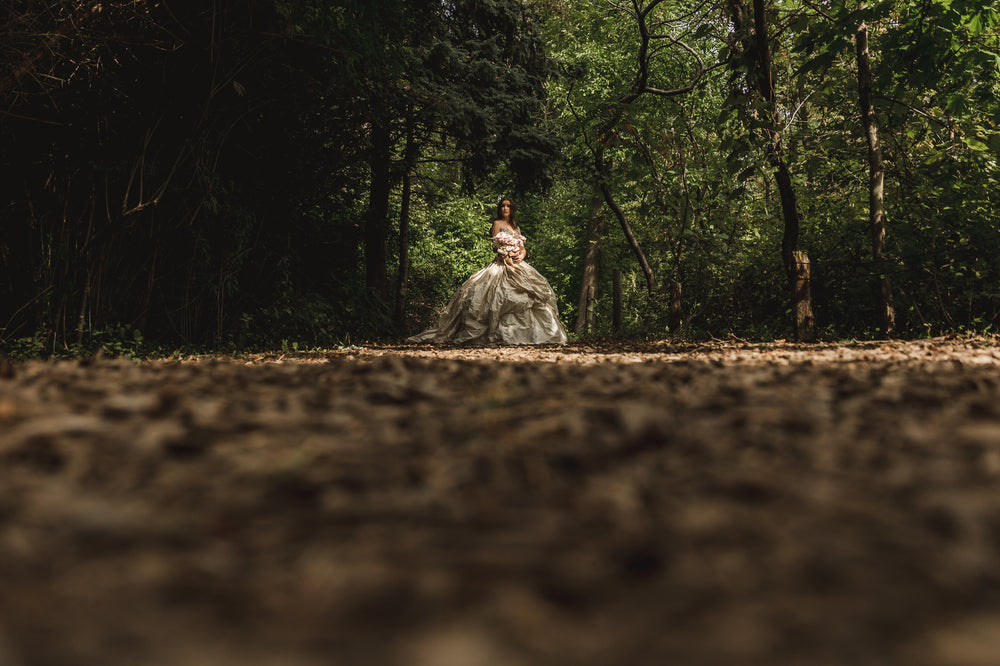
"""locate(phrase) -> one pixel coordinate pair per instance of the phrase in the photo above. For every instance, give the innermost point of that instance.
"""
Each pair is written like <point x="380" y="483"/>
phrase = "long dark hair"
<point x="513" y="212"/>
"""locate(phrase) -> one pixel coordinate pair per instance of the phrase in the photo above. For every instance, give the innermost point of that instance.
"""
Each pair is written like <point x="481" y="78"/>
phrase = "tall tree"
<point x="751" y="29"/>
<point x="590" y="284"/>
<point x="658" y="33"/>
<point x="120" y="128"/>
<point x="463" y="75"/>
<point x="919" y="101"/>
<point x="876" y="186"/>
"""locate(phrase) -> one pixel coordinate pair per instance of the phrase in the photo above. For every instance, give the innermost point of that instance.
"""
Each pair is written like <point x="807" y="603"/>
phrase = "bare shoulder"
<point x="498" y="226"/>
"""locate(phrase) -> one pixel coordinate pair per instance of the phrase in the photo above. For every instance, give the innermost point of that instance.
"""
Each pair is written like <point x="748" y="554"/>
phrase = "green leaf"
<point x="977" y="142"/>
<point x="992" y="54"/>
<point x="820" y="62"/>
<point x="976" y="25"/>
<point x="704" y="30"/>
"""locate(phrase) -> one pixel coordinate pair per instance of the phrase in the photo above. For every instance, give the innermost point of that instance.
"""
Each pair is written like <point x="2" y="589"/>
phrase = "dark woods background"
<point x="261" y="173"/>
<point x="149" y="164"/>
<point x="209" y="172"/>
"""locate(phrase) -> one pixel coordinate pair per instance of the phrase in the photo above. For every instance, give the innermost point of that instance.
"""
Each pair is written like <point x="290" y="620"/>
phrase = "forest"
<point x="253" y="174"/>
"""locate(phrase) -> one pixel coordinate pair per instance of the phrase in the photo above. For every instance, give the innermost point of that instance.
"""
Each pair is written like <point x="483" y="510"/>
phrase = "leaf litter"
<point x="599" y="503"/>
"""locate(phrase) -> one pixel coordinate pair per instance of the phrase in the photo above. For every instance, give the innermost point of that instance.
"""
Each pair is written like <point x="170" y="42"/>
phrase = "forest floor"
<point x="699" y="504"/>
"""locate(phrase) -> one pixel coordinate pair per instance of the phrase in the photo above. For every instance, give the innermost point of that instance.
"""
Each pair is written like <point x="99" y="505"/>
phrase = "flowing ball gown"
<point x="504" y="303"/>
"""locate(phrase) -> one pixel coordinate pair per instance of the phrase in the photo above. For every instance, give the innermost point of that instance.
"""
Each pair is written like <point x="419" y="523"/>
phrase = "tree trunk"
<point x="805" y="324"/>
<point x="410" y="154"/>
<point x="378" y="209"/>
<point x="81" y="324"/>
<point x="591" y="265"/>
<point x="404" y="249"/>
<point x="604" y="171"/>
<point x="789" y="211"/>
<point x="764" y="82"/>
<point x="782" y="177"/>
<point x="876" y="182"/>
<point x="640" y="86"/>
<point x="616" y="305"/>
<point x="675" y="307"/>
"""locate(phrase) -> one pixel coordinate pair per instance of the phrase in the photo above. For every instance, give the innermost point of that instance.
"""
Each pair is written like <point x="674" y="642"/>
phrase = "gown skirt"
<point x="500" y="304"/>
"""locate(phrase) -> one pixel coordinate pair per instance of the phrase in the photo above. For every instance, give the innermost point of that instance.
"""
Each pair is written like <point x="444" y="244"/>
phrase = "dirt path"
<point x="699" y="504"/>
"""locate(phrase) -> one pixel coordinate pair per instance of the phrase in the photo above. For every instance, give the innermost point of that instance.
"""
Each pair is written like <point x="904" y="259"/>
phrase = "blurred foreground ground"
<point x="654" y="504"/>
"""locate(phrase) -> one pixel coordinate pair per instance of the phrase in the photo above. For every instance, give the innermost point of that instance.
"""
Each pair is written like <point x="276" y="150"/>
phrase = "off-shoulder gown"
<point x="504" y="303"/>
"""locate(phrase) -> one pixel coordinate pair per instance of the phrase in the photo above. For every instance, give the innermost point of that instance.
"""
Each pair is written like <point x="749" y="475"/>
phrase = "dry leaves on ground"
<point x="592" y="504"/>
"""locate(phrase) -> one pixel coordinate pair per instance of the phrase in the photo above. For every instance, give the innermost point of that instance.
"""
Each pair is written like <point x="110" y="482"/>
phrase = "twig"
<point x="18" y="311"/>
<point x="37" y="120"/>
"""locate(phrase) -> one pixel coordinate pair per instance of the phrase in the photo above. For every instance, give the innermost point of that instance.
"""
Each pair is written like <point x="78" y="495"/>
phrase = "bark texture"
<point x="591" y="266"/>
<point x="876" y="182"/>
<point x="762" y="79"/>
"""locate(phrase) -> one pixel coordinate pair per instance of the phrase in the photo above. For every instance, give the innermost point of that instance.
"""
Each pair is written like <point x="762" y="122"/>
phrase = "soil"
<point x="716" y="503"/>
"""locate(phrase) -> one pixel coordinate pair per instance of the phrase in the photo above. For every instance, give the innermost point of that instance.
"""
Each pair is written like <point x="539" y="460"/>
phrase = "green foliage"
<point x="204" y="175"/>
<point x="450" y="243"/>
<point x="937" y="105"/>
<point x="116" y="340"/>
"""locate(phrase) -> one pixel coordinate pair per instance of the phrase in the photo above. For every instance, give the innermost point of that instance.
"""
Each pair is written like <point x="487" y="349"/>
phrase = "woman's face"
<point x="505" y="209"/>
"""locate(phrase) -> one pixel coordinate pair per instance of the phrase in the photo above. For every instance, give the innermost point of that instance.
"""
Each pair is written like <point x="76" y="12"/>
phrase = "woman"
<point x="508" y="302"/>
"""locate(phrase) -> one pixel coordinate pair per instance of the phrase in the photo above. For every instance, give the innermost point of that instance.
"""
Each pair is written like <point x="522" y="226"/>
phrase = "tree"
<point x="751" y="30"/>
<point x="876" y="189"/>
<point x="463" y="75"/>
<point x="215" y="155"/>
<point x="121" y="126"/>
<point x="204" y="173"/>
<point x="590" y="286"/>
<point x="929" y="88"/>
<point x="658" y="36"/>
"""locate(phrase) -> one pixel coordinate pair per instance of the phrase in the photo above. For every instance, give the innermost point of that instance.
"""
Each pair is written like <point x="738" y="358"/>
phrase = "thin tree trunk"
<point x="675" y="307"/>
<point x="148" y="299"/>
<point x="763" y="79"/>
<point x="87" y="253"/>
<point x="410" y="154"/>
<point x="591" y="314"/>
<point x="674" y="283"/>
<point x="591" y="264"/>
<point x="789" y="212"/>
<point x="616" y="301"/>
<point x="782" y="177"/>
<point x="81" y="323"/>
<point x="640" y="86"/>
<point x="876" y="183"/>
<point x="805" y="323"/>
<point x="630" y="237"/>
<point x="378" y="209"/>
<point x="604" y="171"/>
<point x="404" y="249"/>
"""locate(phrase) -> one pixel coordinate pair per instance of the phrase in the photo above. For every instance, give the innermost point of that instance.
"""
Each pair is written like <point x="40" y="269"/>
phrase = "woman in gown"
<point x="508" y="302"/>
